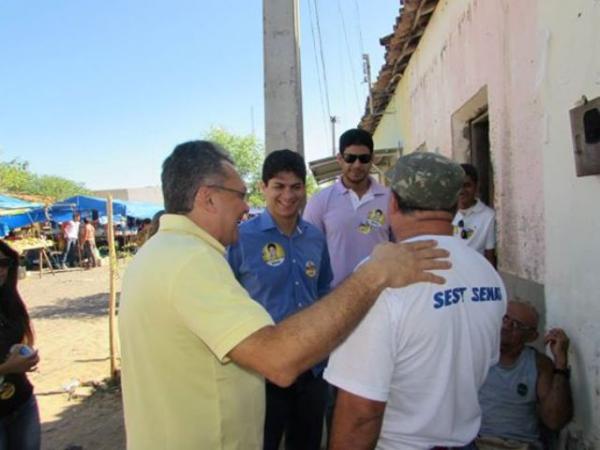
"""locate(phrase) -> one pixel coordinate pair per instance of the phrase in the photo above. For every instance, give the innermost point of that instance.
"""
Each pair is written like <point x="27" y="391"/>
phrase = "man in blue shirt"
<point x="283" y="263"/>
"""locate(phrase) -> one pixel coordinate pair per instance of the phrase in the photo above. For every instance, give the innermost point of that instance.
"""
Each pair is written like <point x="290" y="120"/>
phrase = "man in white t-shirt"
<point x="408" y="376"/>
<point x="475" y="222"/>
<point x="71" y="235"/>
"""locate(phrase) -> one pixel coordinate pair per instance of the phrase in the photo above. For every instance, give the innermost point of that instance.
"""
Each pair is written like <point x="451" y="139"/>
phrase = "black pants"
<point x="298" y="411"/>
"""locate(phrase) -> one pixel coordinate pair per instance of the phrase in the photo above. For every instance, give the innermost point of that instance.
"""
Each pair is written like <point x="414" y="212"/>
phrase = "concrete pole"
<point x="283" y="90"/>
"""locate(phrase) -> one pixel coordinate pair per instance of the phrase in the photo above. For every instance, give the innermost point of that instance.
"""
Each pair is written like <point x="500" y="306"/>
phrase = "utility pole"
<point x="367" y="79"/>
<point x="333" y="120"/>
<point x="283" y="89"/>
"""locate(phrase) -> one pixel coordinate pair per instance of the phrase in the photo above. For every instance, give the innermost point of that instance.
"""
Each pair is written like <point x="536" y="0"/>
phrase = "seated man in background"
<point x="525" y="387"/>
<point x="475" y="222"/>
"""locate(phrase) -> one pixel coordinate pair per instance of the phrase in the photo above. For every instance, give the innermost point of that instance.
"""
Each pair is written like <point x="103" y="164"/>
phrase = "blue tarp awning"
<point x="63" y="210"/>
<point x="83" y="203"/>
<point x="141" y="210"/>
<point x="24" y="219"/>
<point x="17" y="213"/>
<point x="16" y="203"/>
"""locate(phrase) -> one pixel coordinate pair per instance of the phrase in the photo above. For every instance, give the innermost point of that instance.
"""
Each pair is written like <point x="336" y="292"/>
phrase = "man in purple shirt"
<point x="353" y="212"/>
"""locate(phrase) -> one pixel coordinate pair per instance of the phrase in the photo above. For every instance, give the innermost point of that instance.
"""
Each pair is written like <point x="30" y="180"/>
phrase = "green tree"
<point x="16" y="178"/>
<point x="248" y="153"/>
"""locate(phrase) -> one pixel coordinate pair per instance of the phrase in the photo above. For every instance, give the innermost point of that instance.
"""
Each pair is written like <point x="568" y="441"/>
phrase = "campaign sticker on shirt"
<point x="310" y="269"/>
<point x="375" y="219"/>
<point x="522" y="389"/>
<point x="273" y="254"/>
<point x="8" y="390"/>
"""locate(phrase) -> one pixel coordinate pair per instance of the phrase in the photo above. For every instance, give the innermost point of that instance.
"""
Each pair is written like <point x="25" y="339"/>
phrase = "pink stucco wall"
<point x="470" y="45"/>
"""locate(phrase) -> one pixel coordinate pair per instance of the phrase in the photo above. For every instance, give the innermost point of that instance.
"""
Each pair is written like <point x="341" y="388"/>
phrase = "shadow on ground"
<point x="94" y="423"/>
<point x="68" y="308"/>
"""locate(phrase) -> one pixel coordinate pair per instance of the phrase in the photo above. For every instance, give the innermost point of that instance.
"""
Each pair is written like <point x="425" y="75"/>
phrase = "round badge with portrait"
<point x="273" y="254"/>
<point x="7" y="391"/>
<point x="310" y="269"/>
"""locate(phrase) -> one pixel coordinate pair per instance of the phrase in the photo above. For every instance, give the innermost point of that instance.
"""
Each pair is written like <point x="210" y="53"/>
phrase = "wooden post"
<point x="112" y="301"/>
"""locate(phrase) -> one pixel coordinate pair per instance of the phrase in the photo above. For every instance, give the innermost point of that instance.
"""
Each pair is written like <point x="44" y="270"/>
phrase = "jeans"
<point x="21" y="429"/>
<point x="71" y="244"/>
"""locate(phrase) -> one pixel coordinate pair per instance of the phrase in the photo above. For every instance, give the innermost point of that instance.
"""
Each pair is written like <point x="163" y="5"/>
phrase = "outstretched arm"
<point x="283" y="351"/>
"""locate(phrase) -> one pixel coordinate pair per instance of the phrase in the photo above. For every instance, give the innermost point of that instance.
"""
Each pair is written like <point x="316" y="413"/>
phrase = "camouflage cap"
<point x="426" y="180"/>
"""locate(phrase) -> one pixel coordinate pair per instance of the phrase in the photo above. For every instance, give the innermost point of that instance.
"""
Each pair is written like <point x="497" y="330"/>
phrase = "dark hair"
<point x="283" y="161"/>
<point x="270" y="245"/>
<point x="407" y="208"/>
<point x="471" y="172"/>
<point x="86" y="220"/>
<point x="186" y="169"/>
<point x="11" y="304"/>
<point x="356" y="136"/>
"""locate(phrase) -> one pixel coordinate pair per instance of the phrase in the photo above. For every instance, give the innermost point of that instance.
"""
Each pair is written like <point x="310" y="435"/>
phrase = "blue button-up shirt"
<point x="283" y="273"/>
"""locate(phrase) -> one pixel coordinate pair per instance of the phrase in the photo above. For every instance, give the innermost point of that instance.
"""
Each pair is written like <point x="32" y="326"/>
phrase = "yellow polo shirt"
<point x="181" y="312"/>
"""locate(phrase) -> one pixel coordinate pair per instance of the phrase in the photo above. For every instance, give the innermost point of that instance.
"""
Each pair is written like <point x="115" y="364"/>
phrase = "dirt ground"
<point x="69" y="311"/>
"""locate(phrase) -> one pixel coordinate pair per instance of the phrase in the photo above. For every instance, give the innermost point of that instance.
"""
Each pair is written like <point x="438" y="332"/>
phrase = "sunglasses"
<point x="5" y="262"/>
<point x="351" y="157"/>
<point x="463" y="232"/>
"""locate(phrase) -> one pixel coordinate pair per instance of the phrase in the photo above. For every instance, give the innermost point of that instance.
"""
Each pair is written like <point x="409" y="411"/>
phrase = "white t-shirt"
<point x="72" y="230"/>
<point x="425" y="350"/>
<point x="478" y="227"/>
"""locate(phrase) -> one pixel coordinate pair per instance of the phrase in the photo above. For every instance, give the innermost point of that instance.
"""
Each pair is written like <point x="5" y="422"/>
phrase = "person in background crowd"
<point x="474" y="221"/>
<point x="525" y="388"/>
<point x="154" y="225"/>
<point x="71" y="234"/>
<point x="19" y="416"/>
<point x="143" y="231"/>
<point x="409" y="374"/>
<point x="194" y="346"/>
<point x="88" y="237"/>
<point x="352" y="213"/>
<point x="283" y="263"/>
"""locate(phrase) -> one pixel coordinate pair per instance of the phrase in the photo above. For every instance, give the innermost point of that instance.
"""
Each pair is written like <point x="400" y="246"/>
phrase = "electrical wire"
<point x="354" y="84"/>
<point x="360" y="37"/>
<point x="322" y="57"/>
<point x="312" y="30"/>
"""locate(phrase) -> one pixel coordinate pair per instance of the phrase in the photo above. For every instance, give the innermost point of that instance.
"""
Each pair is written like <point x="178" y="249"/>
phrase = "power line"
<point x="360" y="38"/>
<point x="354" y="84"/>
<point x="322" y="57"/>
<point x="312" y="31"/>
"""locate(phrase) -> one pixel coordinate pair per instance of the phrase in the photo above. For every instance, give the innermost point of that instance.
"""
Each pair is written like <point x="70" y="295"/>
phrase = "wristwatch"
<point x="566" y="372"/>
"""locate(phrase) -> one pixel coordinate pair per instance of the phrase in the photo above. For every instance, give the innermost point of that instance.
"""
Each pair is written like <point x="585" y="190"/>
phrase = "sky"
<point x="100" y="92"/>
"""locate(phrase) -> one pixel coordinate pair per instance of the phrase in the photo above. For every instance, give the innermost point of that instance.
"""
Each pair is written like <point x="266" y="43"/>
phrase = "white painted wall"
<point x="535" y="59"/>
<point x="472" y="46"/>
<point x="572" y="69"/>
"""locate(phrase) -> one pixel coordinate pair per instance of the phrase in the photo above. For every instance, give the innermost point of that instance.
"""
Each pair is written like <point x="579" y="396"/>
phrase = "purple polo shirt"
<point x="352" y="230"/>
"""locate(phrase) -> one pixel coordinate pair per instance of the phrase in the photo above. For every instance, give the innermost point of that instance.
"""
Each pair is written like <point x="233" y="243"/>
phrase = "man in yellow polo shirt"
<point x="195" y="348"/>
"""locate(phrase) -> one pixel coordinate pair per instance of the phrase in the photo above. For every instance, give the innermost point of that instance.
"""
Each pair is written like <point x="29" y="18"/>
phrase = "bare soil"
<point x="69" y="310"/>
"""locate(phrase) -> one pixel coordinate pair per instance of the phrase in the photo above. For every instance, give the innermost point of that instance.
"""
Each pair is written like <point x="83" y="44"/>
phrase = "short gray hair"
<point x="191" y="165"/>
<point x="528" y="304"/>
